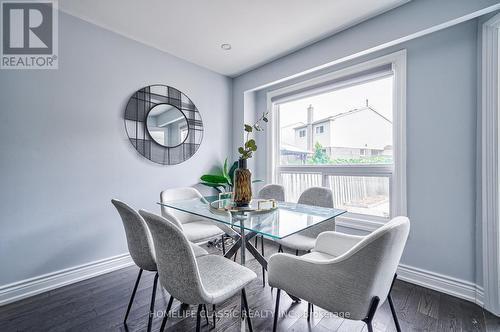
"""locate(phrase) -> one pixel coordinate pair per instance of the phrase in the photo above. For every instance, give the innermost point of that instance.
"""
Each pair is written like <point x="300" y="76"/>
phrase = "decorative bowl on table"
<point x="255" y="206"/>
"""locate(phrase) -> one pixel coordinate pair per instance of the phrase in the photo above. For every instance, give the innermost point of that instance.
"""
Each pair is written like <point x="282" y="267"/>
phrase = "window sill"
<point x="359" y="222"/>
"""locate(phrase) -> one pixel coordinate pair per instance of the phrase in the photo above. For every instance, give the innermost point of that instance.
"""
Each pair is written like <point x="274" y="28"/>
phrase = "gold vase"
<point x="242" y="184"/>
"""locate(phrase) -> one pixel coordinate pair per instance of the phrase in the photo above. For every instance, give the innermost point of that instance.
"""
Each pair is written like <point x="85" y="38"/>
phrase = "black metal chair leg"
<point x="235" y="254"/>
<point x="297" y="252"/>
<point x="245" y="304"/>
<point x="132" y="296"/>
<point x="198" y="318"/>
<point x="276" y="310"/>
<point x="206" y="313"/>
<point x="263" y="269"/>
<point x="391" y="304"/>
<point x="394" y="315"/>
<point x="164" y="321"/>
<point x="371" y="313"/>
<point x="256" y="239"/>
<point x="213" y="315"/>
<point x="308" y="311"/>
<point x="152" y="306"/>
<point x="280" y="249"/>
<point x="223" y="245"/>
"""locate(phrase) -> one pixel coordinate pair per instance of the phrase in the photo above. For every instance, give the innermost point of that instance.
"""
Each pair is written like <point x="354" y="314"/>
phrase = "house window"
<point x="302" y="133"/>
<point x="364" y="107"/>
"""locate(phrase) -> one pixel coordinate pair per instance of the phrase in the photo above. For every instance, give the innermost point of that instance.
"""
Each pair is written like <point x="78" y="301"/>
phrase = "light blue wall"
<point x="441" y="151"/>
<point x="65" y="153"/>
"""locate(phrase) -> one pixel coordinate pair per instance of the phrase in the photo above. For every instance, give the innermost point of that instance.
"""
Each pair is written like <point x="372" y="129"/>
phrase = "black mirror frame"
<point x="136" y="111"/>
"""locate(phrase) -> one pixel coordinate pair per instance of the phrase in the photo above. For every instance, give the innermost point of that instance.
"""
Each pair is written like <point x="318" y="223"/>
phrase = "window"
<point x="359" y="113"/>
<point x="183" y="131"/>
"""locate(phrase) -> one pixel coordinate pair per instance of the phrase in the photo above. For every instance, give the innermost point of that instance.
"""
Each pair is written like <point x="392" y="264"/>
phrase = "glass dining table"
<point x="281" y="220"/>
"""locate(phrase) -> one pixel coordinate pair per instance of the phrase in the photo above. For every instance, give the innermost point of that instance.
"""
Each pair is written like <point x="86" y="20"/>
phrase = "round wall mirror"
<point x="167" y="125"/>
<point x="163" y="124"/>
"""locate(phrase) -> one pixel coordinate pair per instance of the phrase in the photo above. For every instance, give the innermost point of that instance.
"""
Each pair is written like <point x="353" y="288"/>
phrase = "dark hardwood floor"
<point x="99" y="304"/>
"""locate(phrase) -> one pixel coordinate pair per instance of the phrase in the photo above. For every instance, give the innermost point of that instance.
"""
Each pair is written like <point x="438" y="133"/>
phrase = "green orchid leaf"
<point x="250" y="143"/>
<point x="224" y="168"/>
<point x="241" y="150"/>
<point x="248" y="128"/>
<point x="212" y="178"/>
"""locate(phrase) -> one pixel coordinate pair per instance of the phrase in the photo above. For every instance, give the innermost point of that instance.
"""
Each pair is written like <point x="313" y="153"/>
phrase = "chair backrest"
<point x="177" y="267"/>
<point x="272" y="191"/>
<point x="140" y="244"/>
<point x="178" y="194"/>
<point x="372" y="264"/>
<point x="317" y="196"/>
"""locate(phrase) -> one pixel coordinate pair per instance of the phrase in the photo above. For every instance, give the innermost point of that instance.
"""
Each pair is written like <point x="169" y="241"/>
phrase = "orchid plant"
<point x="222" y="181"/>
<point x="250" y="147"/>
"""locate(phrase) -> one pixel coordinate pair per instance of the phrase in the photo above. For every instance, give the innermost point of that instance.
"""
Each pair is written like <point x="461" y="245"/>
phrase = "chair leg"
<point x="164" y="322"/>
<point x="263" y="269"/>
<point x="198" y="317"/>
<point x="213" y="315"/>
<point x="235" y="254"/>
<point x="308" y="311"/>
<point x="391" y="304"/>
<point x="371" y="313"/>
<point x="132" y="296"/>
<point x="276" y="310"/>
<point x="296" y="252"/>
<point x="256" y="239"/>
<point x="245" y="303"/>
<point x="152" y="306"/>
<point x="280" y="248"/>
<point x="206" y="313"/>
<point x="223" y="245"/>
<point x="394" y="315"/>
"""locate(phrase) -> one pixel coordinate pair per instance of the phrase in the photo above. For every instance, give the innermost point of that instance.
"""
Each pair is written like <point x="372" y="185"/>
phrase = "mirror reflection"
<point x="167" y="125"/>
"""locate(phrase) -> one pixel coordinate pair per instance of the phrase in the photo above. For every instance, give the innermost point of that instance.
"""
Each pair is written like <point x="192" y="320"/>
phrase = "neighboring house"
<point x="347" y="135"/>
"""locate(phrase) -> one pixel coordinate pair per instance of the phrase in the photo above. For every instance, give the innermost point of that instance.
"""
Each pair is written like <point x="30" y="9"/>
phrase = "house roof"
<point x="287" y="149"/>
<point x="340" y="115"/>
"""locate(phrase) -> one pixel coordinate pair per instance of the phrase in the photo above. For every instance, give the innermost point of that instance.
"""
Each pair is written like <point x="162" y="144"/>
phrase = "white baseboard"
<point x="25" y="288"/>
<point x="452" y="286"/>
<point x="29" y="287"/>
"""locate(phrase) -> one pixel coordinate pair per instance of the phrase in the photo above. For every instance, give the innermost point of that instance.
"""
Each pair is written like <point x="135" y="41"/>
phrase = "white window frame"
<point x="396" y="172"/>
<point x="489" y="179"/>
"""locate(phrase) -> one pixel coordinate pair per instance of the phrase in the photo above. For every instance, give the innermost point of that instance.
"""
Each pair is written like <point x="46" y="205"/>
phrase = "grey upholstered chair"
<point x="305" y="240"/>
<point x="272" y="191"/>
<point x="140" y="246"/>
<point x="344" y="273"/>
<point x="197" y="229"/>
<point x="208" y="279"/>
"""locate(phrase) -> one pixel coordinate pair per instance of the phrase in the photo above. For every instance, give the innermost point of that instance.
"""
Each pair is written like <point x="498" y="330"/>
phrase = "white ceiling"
<point x="258" y="30"/>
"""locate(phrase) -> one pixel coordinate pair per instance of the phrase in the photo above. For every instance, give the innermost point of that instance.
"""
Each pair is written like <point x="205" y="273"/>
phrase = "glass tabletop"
<point x="287" y="219"/>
